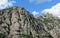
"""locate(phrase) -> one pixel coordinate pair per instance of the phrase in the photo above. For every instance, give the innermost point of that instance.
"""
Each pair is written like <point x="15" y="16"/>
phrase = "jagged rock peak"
<point x="17" y="22"/>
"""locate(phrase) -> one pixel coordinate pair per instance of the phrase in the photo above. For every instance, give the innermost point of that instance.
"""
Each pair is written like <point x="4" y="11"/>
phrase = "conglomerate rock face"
<point x="16" y="22"/>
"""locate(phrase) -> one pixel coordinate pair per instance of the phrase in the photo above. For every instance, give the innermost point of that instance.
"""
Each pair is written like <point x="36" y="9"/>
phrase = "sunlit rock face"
<point x="17" y="22"/>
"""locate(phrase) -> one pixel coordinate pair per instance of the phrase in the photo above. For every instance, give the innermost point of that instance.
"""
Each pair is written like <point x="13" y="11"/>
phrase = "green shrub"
<point x="26" y="36"/>
<point x="2" y="35"/>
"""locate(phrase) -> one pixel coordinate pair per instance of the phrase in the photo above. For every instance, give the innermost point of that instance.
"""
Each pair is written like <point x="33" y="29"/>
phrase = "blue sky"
<point x="34" y="5"/>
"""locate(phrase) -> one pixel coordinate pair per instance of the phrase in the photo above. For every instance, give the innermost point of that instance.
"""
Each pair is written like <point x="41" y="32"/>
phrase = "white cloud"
<point x="39" y="1"/>
<point x="6" y="3"/>
<point x="55" y="10"/>
<point x="35" y="14"/>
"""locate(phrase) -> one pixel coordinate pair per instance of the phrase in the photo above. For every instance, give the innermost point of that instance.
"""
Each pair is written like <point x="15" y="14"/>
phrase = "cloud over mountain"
<point x="35" y="13"/>
<point x="55" y="10"/>
<point x="6" y="3"/>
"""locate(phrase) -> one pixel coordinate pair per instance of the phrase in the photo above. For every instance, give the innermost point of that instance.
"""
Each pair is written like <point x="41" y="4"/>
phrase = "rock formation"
<point x="16" y="22"/>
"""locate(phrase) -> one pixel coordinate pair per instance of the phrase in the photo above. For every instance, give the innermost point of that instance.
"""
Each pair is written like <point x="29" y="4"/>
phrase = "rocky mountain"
<point x="17" y="22"/>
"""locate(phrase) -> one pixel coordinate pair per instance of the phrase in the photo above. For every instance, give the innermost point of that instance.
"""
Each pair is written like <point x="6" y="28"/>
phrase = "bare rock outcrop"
<point x="16" y="22"/>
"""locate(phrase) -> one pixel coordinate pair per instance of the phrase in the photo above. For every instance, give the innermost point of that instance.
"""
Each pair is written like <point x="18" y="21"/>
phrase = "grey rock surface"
<point x="16" y="22"/>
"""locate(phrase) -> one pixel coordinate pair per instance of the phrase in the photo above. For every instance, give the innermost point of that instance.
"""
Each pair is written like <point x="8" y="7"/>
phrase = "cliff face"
<point x="51" y="24"/>
<point x="16" y="22"/>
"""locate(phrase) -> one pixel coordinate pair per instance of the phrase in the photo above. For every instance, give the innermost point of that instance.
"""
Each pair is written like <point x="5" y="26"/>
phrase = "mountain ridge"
<point x="17" y="22"/>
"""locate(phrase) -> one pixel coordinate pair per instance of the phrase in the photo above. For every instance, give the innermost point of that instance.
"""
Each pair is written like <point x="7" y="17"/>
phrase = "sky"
<point x="35" y="7"/>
